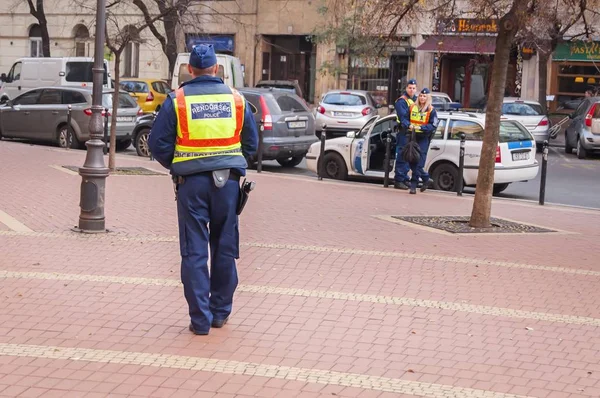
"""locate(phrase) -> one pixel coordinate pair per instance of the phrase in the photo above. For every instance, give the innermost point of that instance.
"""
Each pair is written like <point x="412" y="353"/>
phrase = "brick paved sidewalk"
<point x="334" y="299"/>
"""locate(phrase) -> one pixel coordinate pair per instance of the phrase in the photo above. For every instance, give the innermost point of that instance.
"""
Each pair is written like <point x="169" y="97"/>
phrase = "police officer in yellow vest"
<point x="203" y="133"/>
<point x="401" y="105"/>
<point x="424" y="122"/>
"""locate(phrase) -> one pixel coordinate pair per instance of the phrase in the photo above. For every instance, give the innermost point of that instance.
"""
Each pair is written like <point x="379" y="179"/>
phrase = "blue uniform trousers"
<point x="418" y="170"/>
<point x="401" y="168"/>
<point x="207" y="215"/>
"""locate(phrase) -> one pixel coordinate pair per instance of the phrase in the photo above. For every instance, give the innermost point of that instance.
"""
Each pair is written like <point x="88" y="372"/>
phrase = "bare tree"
<point x="37" y="10"/>
<point x="386" y="17"/>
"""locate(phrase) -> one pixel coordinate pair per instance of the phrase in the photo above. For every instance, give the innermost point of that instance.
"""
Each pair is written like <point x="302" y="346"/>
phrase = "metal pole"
<point x="69" y="137"/>
<point x="105" y="138"/>
<point x="321" y="162"/>
<point x="93" y="172"/>
<point x="461" y="166"/>
<point x="259" y="155"/>
<point x="386" y="161"/>
<point x="544" y="171"/>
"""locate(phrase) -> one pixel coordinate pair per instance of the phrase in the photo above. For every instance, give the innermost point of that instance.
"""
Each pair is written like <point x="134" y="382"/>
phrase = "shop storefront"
<point x="575" y="69"/>
<point x="463" y="52"/>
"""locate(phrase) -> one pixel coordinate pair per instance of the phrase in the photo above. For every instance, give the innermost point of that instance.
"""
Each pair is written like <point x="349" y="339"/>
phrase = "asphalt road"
<point x="570" y="181"/>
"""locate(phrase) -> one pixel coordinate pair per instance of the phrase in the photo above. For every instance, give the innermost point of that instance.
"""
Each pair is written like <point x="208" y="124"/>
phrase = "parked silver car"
<point x="41" y="114"/>
<point x="289" y="126"/>
<point x="343" y="111"/>
<point x="530" y="114"/>
<point x="583" y="133"/>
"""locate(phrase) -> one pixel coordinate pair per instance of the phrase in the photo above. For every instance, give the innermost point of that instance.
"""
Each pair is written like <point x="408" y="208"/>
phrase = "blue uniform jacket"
<point x="402" y="111"/>
<point x="164" y="133"/>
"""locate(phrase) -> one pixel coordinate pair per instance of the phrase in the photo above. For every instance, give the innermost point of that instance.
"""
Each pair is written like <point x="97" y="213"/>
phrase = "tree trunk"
<point x="113" y="119"/>
<point x="508" y="27"/>
<point x="45" y="37"/>
<point x="543" y="56"/>
<point x="170" y="24"/>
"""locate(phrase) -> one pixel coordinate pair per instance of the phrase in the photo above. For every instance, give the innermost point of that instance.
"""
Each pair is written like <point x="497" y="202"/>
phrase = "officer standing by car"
<point x="203" y="133"/>
<point x="424" y="122"/>
<point x="401" y="180"/>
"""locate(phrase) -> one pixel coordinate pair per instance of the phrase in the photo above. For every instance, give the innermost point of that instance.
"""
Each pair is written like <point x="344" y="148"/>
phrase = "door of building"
<point x="398" y="77"/>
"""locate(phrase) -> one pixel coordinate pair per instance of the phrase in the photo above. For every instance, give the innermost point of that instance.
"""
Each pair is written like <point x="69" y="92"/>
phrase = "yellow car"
<point x="149" y="93"/>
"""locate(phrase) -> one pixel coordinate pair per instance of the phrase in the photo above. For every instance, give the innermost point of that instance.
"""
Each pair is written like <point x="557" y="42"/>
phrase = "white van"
<point x="30" y="73"/>
<point x="230" y="70"/>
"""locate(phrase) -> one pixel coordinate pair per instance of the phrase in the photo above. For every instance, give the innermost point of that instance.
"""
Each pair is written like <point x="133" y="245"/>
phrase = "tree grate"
<point x="130" y="171"/>
<point x="460" y="225"/>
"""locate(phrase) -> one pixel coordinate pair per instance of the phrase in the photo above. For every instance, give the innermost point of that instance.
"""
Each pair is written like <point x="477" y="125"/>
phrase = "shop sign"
<point x="577" y="51"/>
<point x="467" y="25"/>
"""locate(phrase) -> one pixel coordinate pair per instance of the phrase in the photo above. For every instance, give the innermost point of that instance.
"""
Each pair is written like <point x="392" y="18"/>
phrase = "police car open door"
<point x="373" y="150"/>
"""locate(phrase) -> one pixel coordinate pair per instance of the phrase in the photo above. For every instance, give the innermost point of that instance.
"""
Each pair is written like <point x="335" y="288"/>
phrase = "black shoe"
<point x="413" y="191"/>
<point x="400" y="185"/>
<point x="427" y="185"/>
<point x="195" y="332"/>
<point x="218" y="323"/>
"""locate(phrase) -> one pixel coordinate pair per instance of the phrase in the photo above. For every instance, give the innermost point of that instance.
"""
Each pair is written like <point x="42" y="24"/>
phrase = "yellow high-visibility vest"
<point x="418" y="118"/>
<point x="208" y="125"/>
<point x="408" y="101"/>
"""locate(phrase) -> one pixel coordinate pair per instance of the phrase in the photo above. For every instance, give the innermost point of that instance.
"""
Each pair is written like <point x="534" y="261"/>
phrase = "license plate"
<point x="520" y="156"/>
<point x="297" y="125"/>
<point x="124" y="118"/>
<point x="343" y="114"/>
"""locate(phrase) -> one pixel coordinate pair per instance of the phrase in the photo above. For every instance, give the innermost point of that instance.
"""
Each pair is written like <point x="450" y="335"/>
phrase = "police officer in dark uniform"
<point x="401" y="180"/>
<point x="204" y="133"/>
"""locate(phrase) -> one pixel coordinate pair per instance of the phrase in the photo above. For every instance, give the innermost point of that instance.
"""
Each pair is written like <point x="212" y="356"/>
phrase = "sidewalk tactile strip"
<point x="317" y="376"/>
<point x="316" y="249"/>
<point x="368" y="298"/>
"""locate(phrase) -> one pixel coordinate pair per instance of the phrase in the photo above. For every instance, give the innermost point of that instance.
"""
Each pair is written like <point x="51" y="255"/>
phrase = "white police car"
<point x="362" y="153"/>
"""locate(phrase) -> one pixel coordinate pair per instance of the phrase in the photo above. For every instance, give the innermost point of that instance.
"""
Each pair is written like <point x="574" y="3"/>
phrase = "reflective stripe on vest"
<point x="208" y="125"/>
<point x="408" y="101"/>
<point x="417" y="117"/>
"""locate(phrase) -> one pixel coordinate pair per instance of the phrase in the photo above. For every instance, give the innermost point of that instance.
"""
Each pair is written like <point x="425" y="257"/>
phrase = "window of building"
<point x="131" y="55"/>
<point x="35" y="41"/>
<point x="82" y="37"/>
<point x="371" y="75"/>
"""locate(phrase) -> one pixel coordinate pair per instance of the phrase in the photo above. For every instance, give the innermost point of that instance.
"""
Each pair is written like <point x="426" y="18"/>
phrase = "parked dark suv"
<point x="289" y="126"/>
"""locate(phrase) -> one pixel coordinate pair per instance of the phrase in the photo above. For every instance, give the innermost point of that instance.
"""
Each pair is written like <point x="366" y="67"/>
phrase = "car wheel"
<point x="66" y="140"/>
<point x="141" y="143"/>
<point x="581" y="151"/>
<point x="290" y="162"/>
<point x="334" y="166"/>
<point x="122" y="145"/>
<point x="500" y="188"/>
<point x="568" y="147"/>
<point x="445" y="177"/>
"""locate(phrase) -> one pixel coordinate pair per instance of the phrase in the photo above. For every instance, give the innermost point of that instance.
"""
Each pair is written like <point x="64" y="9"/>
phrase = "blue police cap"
<point x="425" y="91"/>
<point x="203" y="56"/>
<point x="412" y="81"/>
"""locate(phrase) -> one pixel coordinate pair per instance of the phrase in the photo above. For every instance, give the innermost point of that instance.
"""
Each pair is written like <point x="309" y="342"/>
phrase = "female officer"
<point x="424" y="122"/>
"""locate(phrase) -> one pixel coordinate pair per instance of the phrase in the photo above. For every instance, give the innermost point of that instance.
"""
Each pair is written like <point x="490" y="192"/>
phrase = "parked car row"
<point x="41" y="114"/>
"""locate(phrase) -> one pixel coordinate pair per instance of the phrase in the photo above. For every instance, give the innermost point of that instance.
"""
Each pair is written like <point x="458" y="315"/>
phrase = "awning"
<point x="459" y="44"/>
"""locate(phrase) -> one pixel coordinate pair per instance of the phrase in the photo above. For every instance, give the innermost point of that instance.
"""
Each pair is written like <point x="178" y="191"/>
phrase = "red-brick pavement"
<point x="473" y="336"/>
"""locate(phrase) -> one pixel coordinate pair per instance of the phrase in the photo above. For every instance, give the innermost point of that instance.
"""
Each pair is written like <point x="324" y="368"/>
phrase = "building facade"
<point x="274" y="41"/>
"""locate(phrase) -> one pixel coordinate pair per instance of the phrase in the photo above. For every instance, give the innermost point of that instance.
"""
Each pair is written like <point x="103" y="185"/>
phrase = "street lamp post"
<point x="94" y="172"/>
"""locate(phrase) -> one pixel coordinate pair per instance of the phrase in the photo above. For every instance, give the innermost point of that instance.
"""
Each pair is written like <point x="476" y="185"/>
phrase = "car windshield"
<point x="521" y="109"/>
<point x="134" y="87"/>
<point x="346" y="99"/>
<point x="440" y="100"/>
<point x="125" y="100"/>
<point x="513" y="132"/>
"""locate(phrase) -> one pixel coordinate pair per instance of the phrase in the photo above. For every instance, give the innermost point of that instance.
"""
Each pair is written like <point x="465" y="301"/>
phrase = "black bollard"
<point x="321" y="162"/>
<point x="69" y="136"/>
<point x="386" y="161"/>
<point x="105" y="138"/>
<point x="544" y="171"/>
<point x="259" y="152"/>
<point x="461" y="166"/>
